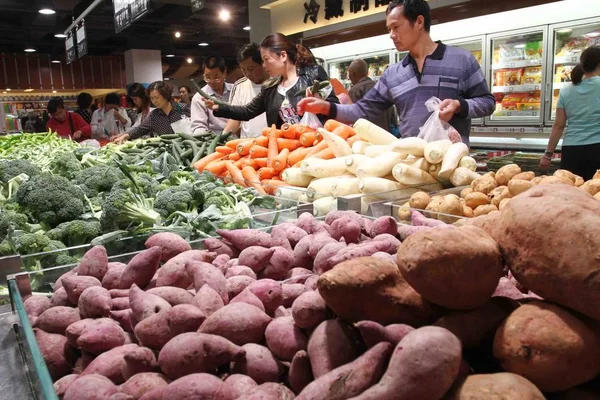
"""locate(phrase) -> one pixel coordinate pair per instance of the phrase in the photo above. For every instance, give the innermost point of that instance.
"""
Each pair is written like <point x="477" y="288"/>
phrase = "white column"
<point x="260" y="21"/>
<point x="143" y="66"/>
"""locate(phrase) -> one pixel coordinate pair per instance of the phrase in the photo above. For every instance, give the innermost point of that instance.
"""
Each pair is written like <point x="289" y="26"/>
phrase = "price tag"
<point x="495" y="130"/>
<point x="510" y="89"/>
<point x="540" y="130"/>
<point x="536" y="87"/>
<point x="509" y="114"/>
<point x="511" y="130"/>
<point x="574" y="59"/>
<point x="535" y="114"/>
<point x="511" y="65"/>
<point x="522" y="130"/>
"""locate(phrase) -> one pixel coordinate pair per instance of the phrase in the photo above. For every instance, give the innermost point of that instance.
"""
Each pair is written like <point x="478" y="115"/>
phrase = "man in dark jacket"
<point x="358" y="72"/>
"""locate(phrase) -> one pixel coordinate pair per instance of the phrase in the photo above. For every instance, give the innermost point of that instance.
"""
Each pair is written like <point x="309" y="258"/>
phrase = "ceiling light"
<point x="54" y="91"/>
<point x="224" y="15"/>
<point x="565" y="30"/>
<point x="55" y="61"/>
<point x="203" y="44"/>
<point x="4" y="92"/>
<point x="60" y="35"/>
<point x="8" y="89"/>
<point x="170" y="55"/>
<point x="28" y="90"/>
<point x="29" y="50"/>
<point x="247" y="28"/>
<point x="167" y="79"/>
<point x="189" y="60"/>
<point x="47" y="11"/>
<point x="177" y="34"/>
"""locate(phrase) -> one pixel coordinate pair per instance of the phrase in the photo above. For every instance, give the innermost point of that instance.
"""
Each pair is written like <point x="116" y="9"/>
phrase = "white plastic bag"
<point x="311" y="120"/>
<point x="184" y="125"/>
<point x="434" y="128"/>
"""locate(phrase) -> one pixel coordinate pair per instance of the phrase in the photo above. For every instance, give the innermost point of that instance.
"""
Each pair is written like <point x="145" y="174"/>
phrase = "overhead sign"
<point x="127" y="11"/>
<point x="80" y="36"/>
<point x="197" y="5"/>
<point x="70" y="48"/>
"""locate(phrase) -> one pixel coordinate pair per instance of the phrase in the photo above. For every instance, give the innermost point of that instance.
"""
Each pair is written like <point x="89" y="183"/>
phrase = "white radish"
<point x="338" y="146"/>
<point x="354" y="161"/>
<point x="375" y="150"/>
<point x="345" y="187"/>
<point x="324" y="186"/>
<point x="290" y="192"/>
<point x="360" y="146"/>
<point x="434" y="170"/>
<point x="468" y="162"/>
<point x="411" y="175"/>
<point x="324" y="205"/>
<point x="323" y="168"/>
<point x="379" y="166"/>
<point x="295" y="177"/>
<point x="373" y="185"/>
<point x="462" y="176"/>
<point x="435" y="151"/>
<point x="420" y="163"/>
<point x="452" y="158"/>
<point x="372" y="133"/>
<point x="411" y="145"/>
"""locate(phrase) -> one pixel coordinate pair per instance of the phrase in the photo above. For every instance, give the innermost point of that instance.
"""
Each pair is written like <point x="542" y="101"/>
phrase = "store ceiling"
<point x="22" y="26"/>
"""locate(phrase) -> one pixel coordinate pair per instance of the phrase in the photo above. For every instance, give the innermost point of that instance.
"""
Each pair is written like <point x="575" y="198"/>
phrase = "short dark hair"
<point x="213" y="62"/>
<point x="411" y="11"/>
<point x="186" y="87"/>
<point x="589" y="61"/>
<point x="113" y="99"/>
<point x="54" y="104"/>
<point x="251" y="50"/>
<point x="165" y="90"/>
<point x="84" y="100"/>
<point x="137" y="90"/>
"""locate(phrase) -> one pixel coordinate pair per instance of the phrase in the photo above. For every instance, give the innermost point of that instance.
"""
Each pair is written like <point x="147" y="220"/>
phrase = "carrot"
<point x="248" y="162"/>
<point x="251" y="177"/>
<point x="241" y="162"/>
<point x="267" y="173"/>
<point x="261" y="162"/>
<point x="331" y="124"/>
<point x="280" y="161"/>
<point x="261" y="141"/>
<point x="234" y="156"/>
<point x="290" y="144"/>
<point x="272" y="149"/>
<point x="233" y="143"/>
<point x="352" y="139"/>
<point x="325" y="154"/>
<point x="258" y="151"/>
<point x="271" y="185"/>
<point x="217" y="167"/>
<point x="224" y="149"/>
<point x="235" y="172"/>
<point x="344" y="131"/>
<point x="201" y="164"/>
<point x="298" y="155"/>
<point x="288" y="131"/>
<point x="308" y="139"/>
<point x="244" y="147"/>
<point x="265" y="131"/>
<point x="315" y="149"/>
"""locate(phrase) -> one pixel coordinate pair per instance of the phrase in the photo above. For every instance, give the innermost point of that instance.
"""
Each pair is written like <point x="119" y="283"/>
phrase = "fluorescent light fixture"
<point x="189" y="60"/>
<point x="28" y="90"/>
<point x="519" y="46"/>
<point x="592" y="34"/>
<point x="203" y="44"/>
<point x="167" y="79"/>
<point x="170" y="55"/>
<point x="60" y="35"/>
<point x="8" y="89"/>
<point x="55" y="61"/>
<point x="54" y="91"/>
<point x="4" y="92"/>
<point x="29" y="50"/>
<point x="177" y="34"/>
<point x="247" y="28"/>
<point x="47" y="11"/>
<point x="224" y="15"/>
<point x="564" y="30"/>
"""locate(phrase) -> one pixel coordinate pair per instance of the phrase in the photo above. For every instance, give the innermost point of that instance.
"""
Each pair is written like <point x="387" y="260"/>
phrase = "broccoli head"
<point x="220" y="199"/>
<point x="75" y="233"/>
<point x="146" y="182"/>
<point x="11" y="168"/>
<point x="98" y="179"/>
<point x="177" y="178"/>
<point x="50" y="199"/>
<point x="11" y="220"/>
<point x="65" y="164"/>
<point x="176" y="198"/>
<point x="126" y="208"/>
<point x="24" y="243"/>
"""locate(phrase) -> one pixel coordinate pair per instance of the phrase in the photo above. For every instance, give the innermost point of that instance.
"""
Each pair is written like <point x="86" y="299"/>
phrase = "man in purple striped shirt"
<point x="431" y="69"/>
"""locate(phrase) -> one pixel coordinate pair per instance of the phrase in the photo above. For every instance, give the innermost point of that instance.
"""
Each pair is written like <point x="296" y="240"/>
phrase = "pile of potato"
<point x="491" y="192"/>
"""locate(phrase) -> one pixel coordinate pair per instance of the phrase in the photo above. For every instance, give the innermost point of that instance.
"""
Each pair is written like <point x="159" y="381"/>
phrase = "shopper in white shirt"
<point x="110" y="120"/>
<point x="246" y="89"/>
<point x="203" y="119"/>
<point x="138" y="94"/>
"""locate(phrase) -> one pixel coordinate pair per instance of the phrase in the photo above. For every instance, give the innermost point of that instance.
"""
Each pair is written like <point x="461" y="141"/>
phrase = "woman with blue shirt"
<point x="578" y="110"/>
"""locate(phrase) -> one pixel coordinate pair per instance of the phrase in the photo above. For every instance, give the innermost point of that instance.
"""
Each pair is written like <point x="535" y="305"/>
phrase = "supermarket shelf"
<point x="516" y="88"/>
<point x="517" y="64"/>
<point x="514" y="129"/>
<point x="567" y="60"/>
<point x="560" y="85"/>
<point x="519" y="114"/>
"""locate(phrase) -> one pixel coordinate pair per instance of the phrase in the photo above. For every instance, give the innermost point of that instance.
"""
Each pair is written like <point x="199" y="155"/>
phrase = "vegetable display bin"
<point x="392" y="207"/>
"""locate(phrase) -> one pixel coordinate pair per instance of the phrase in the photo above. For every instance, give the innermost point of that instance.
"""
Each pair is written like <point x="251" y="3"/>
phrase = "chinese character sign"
<point x="379" y="3"/>
<point x="358" y="5"/>
<point x="311" y="11"/>
<point x="334" y="9"/>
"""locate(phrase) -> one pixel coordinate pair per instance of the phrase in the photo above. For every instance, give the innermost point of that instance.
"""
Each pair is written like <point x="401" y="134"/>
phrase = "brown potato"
<point x="502" y="385"/>
<point x="506" y="173"/>
<point x="468" y="212"/>
<point x="579" y="181"/>
<point x="476" y="199"/>
<point x="596" y="175"/>
<point x="434" y="207"/>
<point x="592" y="186"/>
<point x="419" y="200"/>
<point x="485" y="209"/>
<point x="404" y="212"/>
<point x="450" y="205"/>
<point x="484" y="184"/>
<point x="566" y="176"/>
<point x="438" y="262"/>
<point x="537" y="179"/>
<point x="503" y="203"/>
<point x="547" y="345"/>
<point x="498" y="194"/>
<point x="528" y="175"/>
<point x="518" y="186"/>
<point x="465" y="192"/>
<point x="554" y="180"/>
<point x="550" y="238"/>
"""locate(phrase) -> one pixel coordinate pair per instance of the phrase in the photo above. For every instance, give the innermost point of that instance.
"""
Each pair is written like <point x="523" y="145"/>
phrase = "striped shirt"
<point x="448" y="73"/>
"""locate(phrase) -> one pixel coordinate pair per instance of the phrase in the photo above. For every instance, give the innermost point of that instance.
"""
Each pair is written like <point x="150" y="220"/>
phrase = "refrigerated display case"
<point x="338" y="68"/>
<point x="516" y="72"/>
<point x="569" y="40"/>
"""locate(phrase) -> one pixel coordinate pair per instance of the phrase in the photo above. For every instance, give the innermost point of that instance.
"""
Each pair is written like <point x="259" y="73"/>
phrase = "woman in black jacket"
<point x="293" y="69"/>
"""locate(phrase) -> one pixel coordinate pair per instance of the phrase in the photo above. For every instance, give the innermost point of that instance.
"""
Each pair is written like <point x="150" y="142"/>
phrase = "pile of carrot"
<point x="258" y="162"/>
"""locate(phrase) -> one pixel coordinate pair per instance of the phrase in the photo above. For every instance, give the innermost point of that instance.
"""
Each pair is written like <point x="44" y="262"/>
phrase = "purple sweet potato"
<point x="220" y="262"/>
<point x="418" y="219"/>
<point x="385" y="257"/>
<point x="283" y="312"/>
<point x="298" y="275"/>
<point x="233" y="262"/>
<point x="61" y="385"/>
<point x="155" y="394"/>
<point x="320" y="240"/>
<point x="291" y="292"/>
<point x="269" y="391"/>
<point x="240" y="323"/>
<point x="120" y="303"/>
<point x="142" y="383"/>
<point x="307" y="222"/>
<point x="207" y="274"/>
<point x="121" y="396"/>
<point x="171" y="244"/>
<point x="346" y="228"/>
<point x="321" y="260"/>
<point x="244" y="238"/>
<point x="331" y="345"/>
<point x="302" y="258"/>
<point x="194" y="352"/>
<point x="114" y="293"/>
<point x="236" y="385"/>
<point x="207" y="300"/>
<point x="237" y="284"/>
<point x="138" y="361"/>
<point x="173" y="295"/>
<point x="284" y="338"/>
<point x="269" y="292"/>
<point x="255" y="257"/>
<point x="249" y="298"/>
<point x="83" y="362"/>
<point x="195" y="386"/>
<point x="281" y="241"/>
<point x="184" y="318"/>
<point x="94" y="263"/>
<point x="58" y="355"/>
<point x="144" y="305"/>
<point x="404" y="231"/>
<point x="373" y="333"/>
<point x="219" y="247"/>
<point x="112" y="278"/>
<point x="391" y="240"/>
<point x="123" y="318"/>
<point x="238" y="270"/>
<point x="309" y="310"/>
<point x="58" y="284"/>
<point x="361" y="250"/>
<point x="141" y="268"/>
<point x="300" y="372"/>
<point x="60" y="298"/>
<point x="350" y="379"/>
<point x="94" y="302"/>
<point x="75" y="330"/>
<point x="90" y="387"/>
<point x="36" y="305"/>
<point x="174" y="272"/>
<point x="279" y="264"/>
<point x="290" y="231"/>
<point x="100" y="336"/>
<point x="331" y="217"/>
<point x="259" y="364"/>
<point x="507" y="289"/>
<point x="110" y="363"/>
<point x="57" y="319"/>
<point x="75" y="285"/>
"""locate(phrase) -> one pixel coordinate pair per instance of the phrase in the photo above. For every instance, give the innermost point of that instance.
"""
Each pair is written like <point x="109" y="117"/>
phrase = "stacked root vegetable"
<point x="504" y="307"/>
<point x="338" y="160"/>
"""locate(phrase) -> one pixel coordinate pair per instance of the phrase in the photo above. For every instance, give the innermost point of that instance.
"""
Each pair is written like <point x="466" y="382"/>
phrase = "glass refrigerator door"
<point x="377" y="64"/>
<point x="516" y="77"/>
<point x="566" y="48"/>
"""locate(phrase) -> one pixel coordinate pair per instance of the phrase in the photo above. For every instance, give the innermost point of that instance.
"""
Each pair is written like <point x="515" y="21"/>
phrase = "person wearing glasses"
<point x="110" y="120"/>
<point x="203" y="119"/>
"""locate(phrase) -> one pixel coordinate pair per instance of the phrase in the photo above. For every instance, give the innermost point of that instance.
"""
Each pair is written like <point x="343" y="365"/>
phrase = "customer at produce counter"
<point x="203" y="119"/>
<point x="66" y="124"/>
<point x="110" y="120"/>
<point x="281" y="59"/>
<point x="139" y="96"/>
<point x="358" y="73"/>
<point x="159" y="120"/>
<point x="185" y="95"/>
<point x="578" y="109"/>
<point x="430" y="69"/>
<point x="84" y="106"/>
<point x="246" y="89"/>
